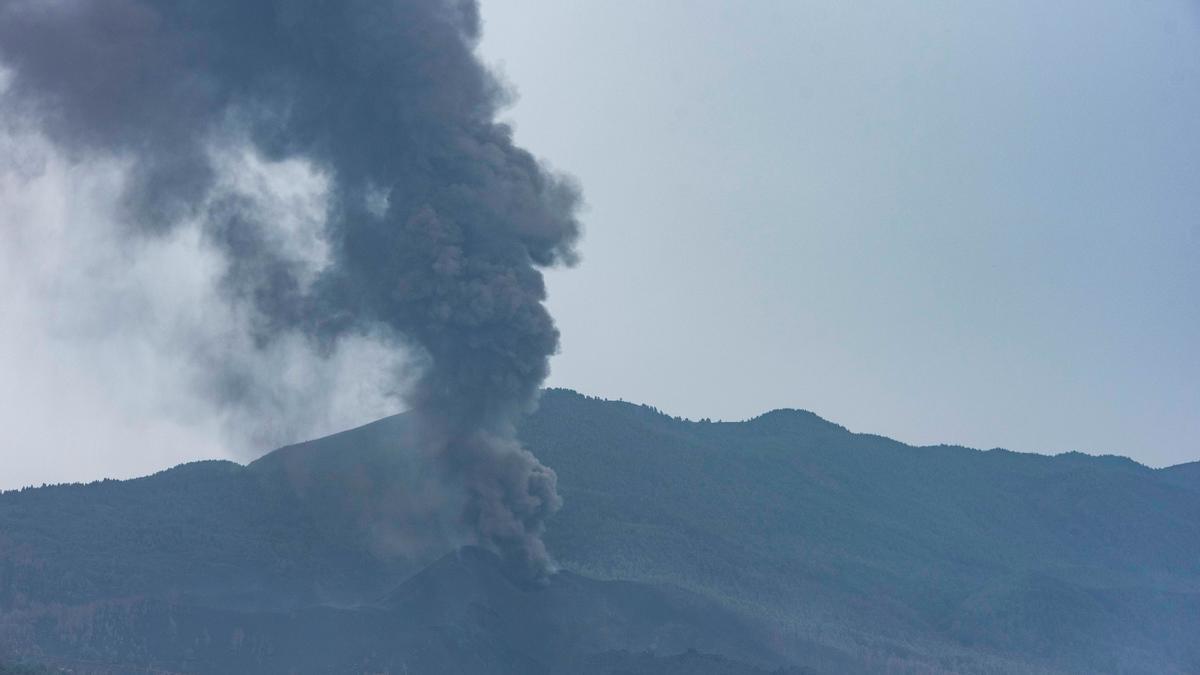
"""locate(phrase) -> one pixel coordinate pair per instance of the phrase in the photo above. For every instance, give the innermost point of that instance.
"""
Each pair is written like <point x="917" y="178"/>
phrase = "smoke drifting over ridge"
<point x="434" y="224"/>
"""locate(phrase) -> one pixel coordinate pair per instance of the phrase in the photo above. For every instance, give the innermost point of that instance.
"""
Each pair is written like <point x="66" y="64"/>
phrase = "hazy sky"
<point x="973" y="223"/>
<point x="958" y="222"/>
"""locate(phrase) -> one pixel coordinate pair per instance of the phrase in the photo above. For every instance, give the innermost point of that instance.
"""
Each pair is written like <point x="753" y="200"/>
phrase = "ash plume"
<point x="436" y="225"/>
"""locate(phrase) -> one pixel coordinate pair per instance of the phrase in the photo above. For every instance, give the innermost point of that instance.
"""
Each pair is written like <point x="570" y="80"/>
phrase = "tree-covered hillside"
<point x="840" y="551"/>
<point x="882" y="548"/>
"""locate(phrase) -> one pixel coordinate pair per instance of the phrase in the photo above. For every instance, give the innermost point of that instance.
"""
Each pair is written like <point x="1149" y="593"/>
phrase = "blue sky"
<point x="972" y="223"/>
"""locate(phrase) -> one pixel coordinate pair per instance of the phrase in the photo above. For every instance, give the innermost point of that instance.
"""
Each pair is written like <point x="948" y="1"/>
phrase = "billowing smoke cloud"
<point x="433" y="225"/>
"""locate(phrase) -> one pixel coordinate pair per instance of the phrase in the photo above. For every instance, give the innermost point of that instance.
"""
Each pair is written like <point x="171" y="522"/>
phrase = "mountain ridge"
<point x="842" y="550"/>
<point x="1190" y="468"/>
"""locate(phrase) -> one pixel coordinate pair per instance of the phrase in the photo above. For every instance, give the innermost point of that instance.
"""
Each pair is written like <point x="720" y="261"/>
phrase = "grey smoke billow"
<point x="438" y="224"/>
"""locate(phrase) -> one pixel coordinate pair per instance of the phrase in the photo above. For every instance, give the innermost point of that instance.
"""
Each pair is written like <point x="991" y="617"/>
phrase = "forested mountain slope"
<point x="822" y="548"/>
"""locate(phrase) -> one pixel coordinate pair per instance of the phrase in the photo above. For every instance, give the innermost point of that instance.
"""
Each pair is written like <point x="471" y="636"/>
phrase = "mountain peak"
<point x="724" y="537"/>
<point x="793" y="419"/>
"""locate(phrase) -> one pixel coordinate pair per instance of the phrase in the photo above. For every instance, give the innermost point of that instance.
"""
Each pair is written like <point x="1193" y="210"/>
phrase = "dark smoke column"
<point x="439" y="224"/>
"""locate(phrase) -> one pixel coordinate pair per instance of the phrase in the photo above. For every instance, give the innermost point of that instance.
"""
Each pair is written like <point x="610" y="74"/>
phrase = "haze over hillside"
<point x="781" y="541"/>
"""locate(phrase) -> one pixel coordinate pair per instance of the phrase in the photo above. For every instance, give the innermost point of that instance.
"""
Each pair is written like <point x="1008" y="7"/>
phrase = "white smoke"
<point x="107" y="342"/>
